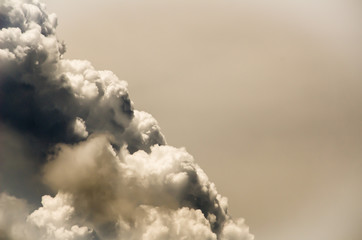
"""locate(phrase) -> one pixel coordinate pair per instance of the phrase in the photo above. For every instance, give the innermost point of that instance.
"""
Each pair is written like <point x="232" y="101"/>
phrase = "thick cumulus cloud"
<point x="70" y="135"/>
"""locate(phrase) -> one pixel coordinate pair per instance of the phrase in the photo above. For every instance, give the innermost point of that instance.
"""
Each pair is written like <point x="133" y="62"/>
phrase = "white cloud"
<point x="54" y="218"/>
<point x="80" y="128"/>
<point x="109" y="188"/>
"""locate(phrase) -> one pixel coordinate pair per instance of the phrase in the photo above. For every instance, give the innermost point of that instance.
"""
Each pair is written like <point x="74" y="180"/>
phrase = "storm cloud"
<point x="71" y="137"/>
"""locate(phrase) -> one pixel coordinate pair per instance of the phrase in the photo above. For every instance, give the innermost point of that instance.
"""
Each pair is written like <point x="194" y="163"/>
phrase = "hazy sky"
<point x="266" y="95"/>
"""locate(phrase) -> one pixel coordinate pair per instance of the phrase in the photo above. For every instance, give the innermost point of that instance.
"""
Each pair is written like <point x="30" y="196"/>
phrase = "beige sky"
<point x="266" y="95"/>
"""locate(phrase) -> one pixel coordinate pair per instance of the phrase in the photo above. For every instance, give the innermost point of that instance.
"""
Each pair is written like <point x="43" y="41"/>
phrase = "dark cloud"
<point x="41" y="95"/>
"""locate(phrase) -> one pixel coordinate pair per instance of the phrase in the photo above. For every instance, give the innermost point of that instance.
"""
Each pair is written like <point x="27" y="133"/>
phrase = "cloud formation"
<point x="71" y="131"/>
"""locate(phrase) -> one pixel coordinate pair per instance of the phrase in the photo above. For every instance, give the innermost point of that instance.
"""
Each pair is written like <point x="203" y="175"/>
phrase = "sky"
<point x="265" y="95"/>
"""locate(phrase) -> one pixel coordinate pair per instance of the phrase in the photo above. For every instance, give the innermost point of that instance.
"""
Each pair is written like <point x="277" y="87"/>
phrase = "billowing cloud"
<point x="73" y="131"/>
<point x="52" y="221"/>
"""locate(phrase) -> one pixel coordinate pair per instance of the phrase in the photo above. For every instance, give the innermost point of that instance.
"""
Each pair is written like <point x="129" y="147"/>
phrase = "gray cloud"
<point x="71" y="130"/>
<point x="49" y="99"/>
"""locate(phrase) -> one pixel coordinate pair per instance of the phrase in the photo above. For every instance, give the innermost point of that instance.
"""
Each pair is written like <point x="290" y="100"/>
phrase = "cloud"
<point x="160" y="223"/>
<point x="143" y="132"/>
<point x="112" y="173"/>
<point x="108" y="187"/>
<point x="55" y="92"/>
<point x="13" y="214"/>
<point x="52" y="221"/>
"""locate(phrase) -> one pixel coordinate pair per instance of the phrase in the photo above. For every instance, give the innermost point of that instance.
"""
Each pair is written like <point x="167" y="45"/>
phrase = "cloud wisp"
<point x="71" y="137"/>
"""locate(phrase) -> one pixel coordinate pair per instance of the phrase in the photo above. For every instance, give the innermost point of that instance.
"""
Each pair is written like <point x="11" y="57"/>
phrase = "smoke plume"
<point x="70" y="137"/>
